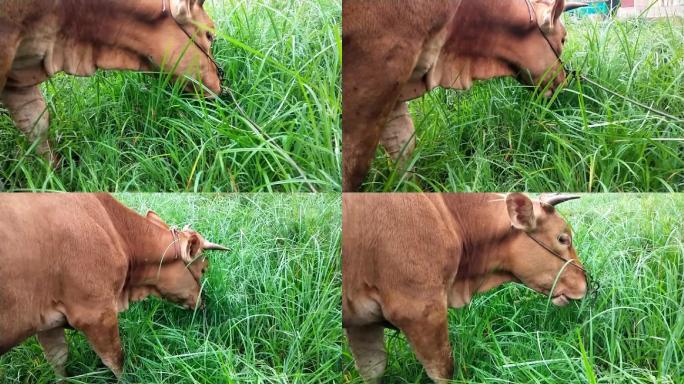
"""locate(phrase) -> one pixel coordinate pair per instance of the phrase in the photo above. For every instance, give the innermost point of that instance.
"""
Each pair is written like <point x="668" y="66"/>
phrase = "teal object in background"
<point x="599" y="7"/>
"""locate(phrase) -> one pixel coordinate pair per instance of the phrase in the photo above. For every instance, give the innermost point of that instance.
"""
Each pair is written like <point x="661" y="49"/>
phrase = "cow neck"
<point x="147" y="243"/>
<point x="488" y="40"/>
<point x="483" y="227"/>
<point x="482" y="46"/>
<point x="461" y="71"/>
<point x="99" y="27"/>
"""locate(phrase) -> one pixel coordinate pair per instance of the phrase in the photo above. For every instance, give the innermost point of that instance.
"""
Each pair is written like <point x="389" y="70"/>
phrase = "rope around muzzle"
<point x="176" y="244"/>
<point x="219" y="70"/>
<point x="593" y="285"/>
<point x="573" y="73"/>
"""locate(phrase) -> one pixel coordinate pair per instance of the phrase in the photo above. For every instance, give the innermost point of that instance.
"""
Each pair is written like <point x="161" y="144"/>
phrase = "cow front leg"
<point x="398" y="136"/>
<point x="5" y="66"/>
<point x="373" y="74"/>
<point x="102" y="331"/>
<point x="367" y="344"/>
<point x="8" y="49"/>
<point x="30" y="114"/>
<point x="358" y="150"/>
<point x="55" y="349"/>
<point x="425" y="327"/>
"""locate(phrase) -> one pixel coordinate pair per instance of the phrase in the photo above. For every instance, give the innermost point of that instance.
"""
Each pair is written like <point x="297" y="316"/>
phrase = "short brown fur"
<point x="395" y="51"/>
<point x="77" y="260"/>
<point x="407" y="258"/>
<point x="44" y="37"/>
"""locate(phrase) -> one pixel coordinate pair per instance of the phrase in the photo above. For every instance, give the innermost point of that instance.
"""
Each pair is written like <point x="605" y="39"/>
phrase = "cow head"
<point x="534" y="59"/>
<point x="181" y="283"/>
<point x="180" y="280"/>
<point x="540" y="253"/>
<point x="175" y="53"/>
<point x="517" y="38"/>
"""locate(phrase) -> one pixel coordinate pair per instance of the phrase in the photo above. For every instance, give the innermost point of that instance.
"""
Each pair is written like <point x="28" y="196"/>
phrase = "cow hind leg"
<point x="29" y="112"/>
<point x="102" y="331"/>
<point x="55" y="348"/>
<point x="427" y="331"/>
<point x="367" y="344"/>
<point x="398" y="135"/>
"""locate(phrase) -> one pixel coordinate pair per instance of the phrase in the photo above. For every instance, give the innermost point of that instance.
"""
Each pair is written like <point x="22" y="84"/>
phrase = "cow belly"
<point x="17" y="325"/>
<point x="20" y="317"/>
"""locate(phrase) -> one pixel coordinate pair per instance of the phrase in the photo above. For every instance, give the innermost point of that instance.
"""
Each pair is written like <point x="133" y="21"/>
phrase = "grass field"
<point x="272" y="303"/>
<point x="631" y="332"/>
<point x="498" y="136"/>
<point x="134" y="132"/>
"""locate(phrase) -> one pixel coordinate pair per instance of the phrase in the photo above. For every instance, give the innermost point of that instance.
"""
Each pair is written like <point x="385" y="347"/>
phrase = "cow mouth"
<point x="192" y="87"/>
<point x="560" y="300"/>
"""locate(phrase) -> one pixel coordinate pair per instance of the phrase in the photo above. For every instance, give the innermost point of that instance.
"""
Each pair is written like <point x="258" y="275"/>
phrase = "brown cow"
<point x="395" y="51"/>
<point x="77" y="260"/>
<point x="407" y="258"/>
<point x="44" y="37"/>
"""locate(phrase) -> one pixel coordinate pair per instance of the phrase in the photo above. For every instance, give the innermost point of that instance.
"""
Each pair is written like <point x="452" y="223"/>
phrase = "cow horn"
<point x="556" y="199"/>
<point x="186" y="227"/>
<point x="569" y="6"/>
<point x="217" y="247"/>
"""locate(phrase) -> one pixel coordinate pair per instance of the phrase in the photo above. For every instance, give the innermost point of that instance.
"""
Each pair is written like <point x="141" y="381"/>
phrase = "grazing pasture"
<point x="121" y="131"/>
<point x="272" y="303"/>
<point x="631" y="331"/>
<point x="499" y="137"/>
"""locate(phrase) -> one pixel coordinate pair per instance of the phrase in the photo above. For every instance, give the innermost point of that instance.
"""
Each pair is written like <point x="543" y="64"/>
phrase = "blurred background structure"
<point x="632" y="8"/>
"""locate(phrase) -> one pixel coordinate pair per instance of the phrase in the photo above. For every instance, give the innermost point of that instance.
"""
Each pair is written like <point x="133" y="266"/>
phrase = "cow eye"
<point x="564" y="239"/>
<point x="210" y="37"/>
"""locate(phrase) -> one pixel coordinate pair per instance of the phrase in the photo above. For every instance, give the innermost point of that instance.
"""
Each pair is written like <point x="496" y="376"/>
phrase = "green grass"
<point x="498" y="136"/>
<point x="631" y="332"/>
<point x="133" y="132"/>
<point x="272" y="315"/>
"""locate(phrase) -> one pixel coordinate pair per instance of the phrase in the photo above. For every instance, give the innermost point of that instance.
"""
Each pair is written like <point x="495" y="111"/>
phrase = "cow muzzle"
<point x="563" y="299"/>
<point x="547" y="83"/>
<point x="560" y="300"/>
<point x="193" y="303"/>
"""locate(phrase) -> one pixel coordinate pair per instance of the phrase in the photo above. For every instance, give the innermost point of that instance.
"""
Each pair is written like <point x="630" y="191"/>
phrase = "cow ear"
<point x="190" y="246"/>
<point x="521" y="211"/>
<point x="153" y="217"/>
<point x="181" y="10"/>
<point x="547" y="14"/>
